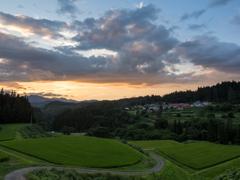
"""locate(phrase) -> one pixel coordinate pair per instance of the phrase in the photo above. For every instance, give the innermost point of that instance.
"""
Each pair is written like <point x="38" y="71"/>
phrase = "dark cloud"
<point x="209" y="52"/>
<point x="235" y="20"/>
<point x="41" y="27"/>
<point x="68" y="7"/>
<point x="195" y="15"/>
<point x="140" y="48"/>
<point x="196" y="27"/>
<point x="140" y="45"/>
<point x="143" y="50"/>
<point x="218" y="3"/>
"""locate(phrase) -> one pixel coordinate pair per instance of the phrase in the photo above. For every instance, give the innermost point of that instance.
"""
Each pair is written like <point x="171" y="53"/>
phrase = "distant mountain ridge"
<point x="39" y="101"/>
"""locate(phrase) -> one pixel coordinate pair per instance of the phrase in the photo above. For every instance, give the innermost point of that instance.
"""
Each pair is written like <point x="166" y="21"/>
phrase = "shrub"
<point x="233" y="174"/>
<point x="224" y="116"/>
<point x="3" y="157"/>
<point x="230" y="115"/>
<point x="66" y="130"/>
<point x="178" y="115"/>
<point x="211" y="115"/>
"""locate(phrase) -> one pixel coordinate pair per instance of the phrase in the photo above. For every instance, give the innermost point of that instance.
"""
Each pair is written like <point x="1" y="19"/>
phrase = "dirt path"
<point x="18" y="174"/>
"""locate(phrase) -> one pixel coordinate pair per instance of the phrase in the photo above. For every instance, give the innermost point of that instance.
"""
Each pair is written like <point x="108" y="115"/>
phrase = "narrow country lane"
<point x="19" y="174"/>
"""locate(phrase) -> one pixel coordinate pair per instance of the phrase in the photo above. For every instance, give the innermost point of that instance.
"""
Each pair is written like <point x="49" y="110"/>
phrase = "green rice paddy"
<point x="201" y="155"/>
<point x="157" y="143"/>
<point x="8" y="135"/>
<point x="77" y="151"/>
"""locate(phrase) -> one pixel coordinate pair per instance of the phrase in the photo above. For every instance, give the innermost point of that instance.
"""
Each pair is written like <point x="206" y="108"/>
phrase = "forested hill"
<point x="15" y="109"/>
<point x="226" y="91"/>
<point x="104" y="114"/>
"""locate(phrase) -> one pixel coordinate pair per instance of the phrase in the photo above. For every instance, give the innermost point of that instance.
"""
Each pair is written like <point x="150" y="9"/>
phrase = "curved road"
<point x="18" y="174"/>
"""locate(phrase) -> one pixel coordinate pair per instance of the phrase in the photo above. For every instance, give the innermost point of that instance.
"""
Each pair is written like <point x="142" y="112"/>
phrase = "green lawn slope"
<point x="77" y="151"/>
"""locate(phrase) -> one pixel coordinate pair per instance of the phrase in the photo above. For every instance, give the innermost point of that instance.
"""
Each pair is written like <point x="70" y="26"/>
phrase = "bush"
<point x="66" y="130"/>
<point x="230" y="115"/>
<point x="211" y="115"/>
<point x="3" y="157"/>
<point x="178" y="115"/>
<point x="224" y="116"/>
<point x="233" y="174"/>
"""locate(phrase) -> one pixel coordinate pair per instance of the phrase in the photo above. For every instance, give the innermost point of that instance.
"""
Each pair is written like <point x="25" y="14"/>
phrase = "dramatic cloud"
<point x="196" y="27"/>
<point x="235" y="20"/>
<point x="41" y="27"/>
<point x="141" y="50"/>
<point x="218" y="3"/>
<point x="144" y="51"/>
<point x="195" y="15"/>
<point x="140" y="45"/>
<point x="68" y="7"/>
<point x="209" y="52"/>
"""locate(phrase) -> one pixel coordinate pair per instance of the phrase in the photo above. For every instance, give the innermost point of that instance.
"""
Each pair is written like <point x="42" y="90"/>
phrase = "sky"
<point x="105" y="50"/>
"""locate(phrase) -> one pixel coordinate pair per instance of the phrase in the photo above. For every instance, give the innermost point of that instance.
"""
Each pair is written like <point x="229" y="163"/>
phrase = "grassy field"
<point x="77" y="151"/>
<point x="201" y="155"/>
<point x="8" y="135"/>
<point x="156" y="143"/>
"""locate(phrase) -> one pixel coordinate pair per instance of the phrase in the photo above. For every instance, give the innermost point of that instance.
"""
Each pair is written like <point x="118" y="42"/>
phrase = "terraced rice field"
<point x="77" y="151"/>
<point x="157" y="143"/>
<point x="3" y="157"/>
<point x="201" y="155"/>
<point x="8" y="135"/>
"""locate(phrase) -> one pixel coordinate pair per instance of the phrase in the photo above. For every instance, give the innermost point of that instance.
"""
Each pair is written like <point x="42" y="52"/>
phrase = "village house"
<point x="185" y="105"/>
<point x="198" y="104"/>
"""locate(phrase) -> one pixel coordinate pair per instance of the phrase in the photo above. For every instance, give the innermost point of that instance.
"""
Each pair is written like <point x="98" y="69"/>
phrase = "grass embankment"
<point x="5" y="136"/>
<point x="78" y="151"/>
<point x="201" y="155"/>
<point x="33" y="131"/>
<point x="23" y="131"/>
<point x="13" y="127"/>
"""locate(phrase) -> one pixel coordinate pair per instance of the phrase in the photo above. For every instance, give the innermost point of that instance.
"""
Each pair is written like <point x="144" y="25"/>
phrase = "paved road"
<point x="18" y="174"/>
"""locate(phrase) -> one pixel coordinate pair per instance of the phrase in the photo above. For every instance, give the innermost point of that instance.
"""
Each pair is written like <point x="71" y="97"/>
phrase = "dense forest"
<point x="104" y="114"/>
<point x="15" y="109"/>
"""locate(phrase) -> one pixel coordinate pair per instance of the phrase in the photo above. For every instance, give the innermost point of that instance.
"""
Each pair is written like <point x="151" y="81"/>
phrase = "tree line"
<point x="226" y="91"/>
<point x="15" y="109"/>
